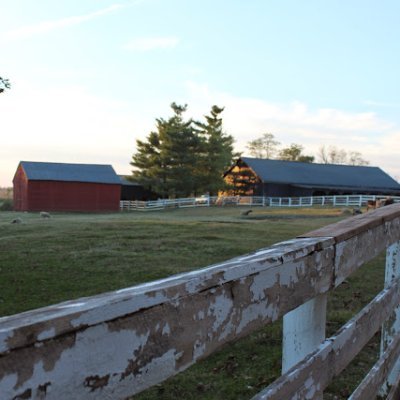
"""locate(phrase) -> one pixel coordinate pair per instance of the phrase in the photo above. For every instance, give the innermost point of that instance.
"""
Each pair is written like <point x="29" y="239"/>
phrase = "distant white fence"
<point x="250" y="201"/>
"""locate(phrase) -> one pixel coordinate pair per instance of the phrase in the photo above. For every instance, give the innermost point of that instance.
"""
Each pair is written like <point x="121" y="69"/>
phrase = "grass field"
<point x="45" y="261"/>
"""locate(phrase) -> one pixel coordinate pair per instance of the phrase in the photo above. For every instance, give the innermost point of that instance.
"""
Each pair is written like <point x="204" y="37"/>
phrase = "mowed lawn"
<point x="45" y="261"/>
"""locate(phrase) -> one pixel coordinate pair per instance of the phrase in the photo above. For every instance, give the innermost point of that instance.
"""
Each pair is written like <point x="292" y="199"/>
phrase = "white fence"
<point x="251" y="201"/>
<point x="116" y="344"/>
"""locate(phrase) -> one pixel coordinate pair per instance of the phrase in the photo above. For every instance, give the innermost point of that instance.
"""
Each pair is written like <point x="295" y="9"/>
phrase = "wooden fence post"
<point x="303" y="331"/>
<point x="391" y="327"/>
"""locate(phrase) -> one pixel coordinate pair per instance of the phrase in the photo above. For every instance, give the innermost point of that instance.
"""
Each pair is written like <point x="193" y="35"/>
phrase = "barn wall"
<point x="20" y="190"/>
<point x="137" y="192"/>
<point x="72" y="196"/>
<point x="280" y="190"/>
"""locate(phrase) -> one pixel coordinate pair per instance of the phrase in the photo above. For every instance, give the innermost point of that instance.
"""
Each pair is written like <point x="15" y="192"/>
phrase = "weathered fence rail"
<point x="252" y="201"/>
<point x="117" y="344"/>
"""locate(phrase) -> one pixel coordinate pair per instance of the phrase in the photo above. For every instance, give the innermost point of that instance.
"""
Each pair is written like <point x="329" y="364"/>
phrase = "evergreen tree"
<point x="167" y="161"/>
<point x="216" y="152"/>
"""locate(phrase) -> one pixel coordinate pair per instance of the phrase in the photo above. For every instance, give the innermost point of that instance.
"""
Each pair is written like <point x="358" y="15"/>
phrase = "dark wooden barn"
<point x="135" y="191"/>
<point x="277" y="178"/>
<point x="44" y="186"/>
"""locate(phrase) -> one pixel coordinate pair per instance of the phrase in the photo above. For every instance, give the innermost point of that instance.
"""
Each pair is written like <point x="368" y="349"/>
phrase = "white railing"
<point x="250" y="201"/>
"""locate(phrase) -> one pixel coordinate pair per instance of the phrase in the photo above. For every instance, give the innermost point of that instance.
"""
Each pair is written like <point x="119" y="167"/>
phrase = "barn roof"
<point x="126" y="182"/>
<point x="90" y="173"/>
<point x="320" y="175"/>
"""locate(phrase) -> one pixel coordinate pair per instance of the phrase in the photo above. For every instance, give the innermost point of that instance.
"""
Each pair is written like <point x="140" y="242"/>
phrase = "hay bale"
<point x="45" y="214"/>
<point x="16" y="221"/>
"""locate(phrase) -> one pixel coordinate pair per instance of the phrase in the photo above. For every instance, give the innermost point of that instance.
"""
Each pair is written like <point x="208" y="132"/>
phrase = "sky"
<point x="90" y="77"/>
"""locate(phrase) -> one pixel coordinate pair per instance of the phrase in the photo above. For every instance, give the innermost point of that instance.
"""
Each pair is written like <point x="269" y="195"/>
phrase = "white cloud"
<point x="381" y="104"/>
<point x="27" y="31"/>
<point x="151" y="43"/>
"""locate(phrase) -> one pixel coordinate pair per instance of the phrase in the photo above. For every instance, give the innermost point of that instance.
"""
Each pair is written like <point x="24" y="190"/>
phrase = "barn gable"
<point x="289" y="178"/>
<point x="66" y="187"/>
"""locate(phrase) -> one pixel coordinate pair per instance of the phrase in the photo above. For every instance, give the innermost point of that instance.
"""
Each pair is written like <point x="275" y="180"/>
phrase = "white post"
<point x="391" y="328"/>
<point x="303" y="331"/>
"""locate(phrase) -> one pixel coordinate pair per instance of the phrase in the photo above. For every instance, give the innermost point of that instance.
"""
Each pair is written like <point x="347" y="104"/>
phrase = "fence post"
<point x="391" y="328"/>
<point x="303" y="331"/>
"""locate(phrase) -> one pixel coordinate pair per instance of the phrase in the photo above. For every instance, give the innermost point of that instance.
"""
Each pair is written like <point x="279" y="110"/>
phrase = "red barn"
<point x="44" y="186"/>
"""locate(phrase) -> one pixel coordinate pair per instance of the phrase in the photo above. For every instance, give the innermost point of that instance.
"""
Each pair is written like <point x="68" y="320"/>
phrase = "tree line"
<point x="267" y="146"/>
<point x="185" y="157"/>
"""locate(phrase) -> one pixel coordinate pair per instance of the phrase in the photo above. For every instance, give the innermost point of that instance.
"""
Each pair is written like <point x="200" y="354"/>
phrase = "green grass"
<point x="45" y="261"/>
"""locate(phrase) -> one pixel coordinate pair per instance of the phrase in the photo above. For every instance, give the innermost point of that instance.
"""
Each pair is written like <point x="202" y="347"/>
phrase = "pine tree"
<point x="167" y="161"/>
<point x="216" y="152"/>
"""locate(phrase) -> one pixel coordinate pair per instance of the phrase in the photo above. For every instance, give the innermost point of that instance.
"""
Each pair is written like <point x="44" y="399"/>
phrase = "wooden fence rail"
<point x="117" y="344"/>
<point x="252" y="201"/>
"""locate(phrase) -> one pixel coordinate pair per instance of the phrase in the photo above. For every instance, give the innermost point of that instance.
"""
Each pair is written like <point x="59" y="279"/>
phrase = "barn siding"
<point x="20" y="196"/>
<point x="71" y="196"/>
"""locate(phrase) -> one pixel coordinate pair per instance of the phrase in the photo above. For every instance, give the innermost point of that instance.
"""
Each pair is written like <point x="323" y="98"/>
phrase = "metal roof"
<point x="322" y="175"/>
<point x="124" y="181"/>
<point x="90" y="173"/>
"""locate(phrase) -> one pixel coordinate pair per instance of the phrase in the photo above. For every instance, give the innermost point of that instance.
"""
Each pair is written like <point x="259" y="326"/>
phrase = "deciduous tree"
<point x="263" y="147"/>
<point x="294" y="153"/>
<point x="4" y="84"/>
<point x="335" y="155"/>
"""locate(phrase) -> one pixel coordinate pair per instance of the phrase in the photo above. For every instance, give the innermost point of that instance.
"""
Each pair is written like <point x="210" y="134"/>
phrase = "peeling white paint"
<point x="72" y="305"/>
<point x="255" y="311"/>
<point x="200" y="315"/>
<point x="198" y="349"/>
<point x="46" y="334"/>
<point x="166" y="329"/>
<point x="220" y="310"/>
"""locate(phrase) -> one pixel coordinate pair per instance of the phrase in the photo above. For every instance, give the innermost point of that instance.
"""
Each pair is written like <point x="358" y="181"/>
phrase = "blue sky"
<point x="90" y="77"/>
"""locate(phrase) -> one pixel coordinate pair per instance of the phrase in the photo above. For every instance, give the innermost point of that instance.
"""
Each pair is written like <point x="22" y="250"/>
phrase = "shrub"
<point x="6" y="205"/>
